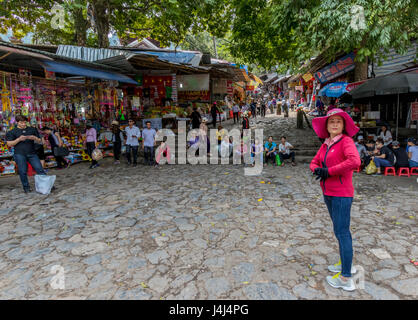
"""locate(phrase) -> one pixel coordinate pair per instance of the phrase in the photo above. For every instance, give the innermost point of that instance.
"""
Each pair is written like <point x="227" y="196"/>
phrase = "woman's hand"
<point x="321" y="173"/>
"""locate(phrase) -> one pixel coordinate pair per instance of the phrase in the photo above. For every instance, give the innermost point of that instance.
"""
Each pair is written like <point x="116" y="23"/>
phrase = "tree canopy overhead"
<point x="168" y="21"/>
<point x="266" y="33"/>
<point x="288" y="32"/>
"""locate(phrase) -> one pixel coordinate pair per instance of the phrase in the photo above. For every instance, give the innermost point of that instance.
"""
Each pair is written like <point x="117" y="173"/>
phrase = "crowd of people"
<point x="386" y="152"/>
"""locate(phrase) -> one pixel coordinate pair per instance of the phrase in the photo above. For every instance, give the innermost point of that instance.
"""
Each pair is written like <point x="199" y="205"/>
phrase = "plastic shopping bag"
<point x="278" y="162"/>
<point x="97" y="154"/>
<point x="371" y="168"/>
<point x="44" y="183"/>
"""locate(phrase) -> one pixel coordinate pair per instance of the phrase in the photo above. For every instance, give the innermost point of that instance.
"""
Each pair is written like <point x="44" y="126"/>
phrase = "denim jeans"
<point x="134" y="150"/>
<point x="379" y="162"/>
<point x="21" y="161"/>
<point x="149" y="155"/>
<point x="413" y="164"/>
<point x="339" y="209"/>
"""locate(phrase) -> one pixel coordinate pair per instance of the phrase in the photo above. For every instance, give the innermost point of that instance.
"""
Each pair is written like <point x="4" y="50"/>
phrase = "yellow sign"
<point x="307" y="77"/>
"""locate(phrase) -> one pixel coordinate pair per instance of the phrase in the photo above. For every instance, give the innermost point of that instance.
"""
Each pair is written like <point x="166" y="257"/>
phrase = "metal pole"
<point x="397" y="119"/>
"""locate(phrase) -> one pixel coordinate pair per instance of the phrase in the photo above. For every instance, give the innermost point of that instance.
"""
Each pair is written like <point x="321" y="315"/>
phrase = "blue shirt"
<point x="273" y="145"/>
<point x="149" y="137"/>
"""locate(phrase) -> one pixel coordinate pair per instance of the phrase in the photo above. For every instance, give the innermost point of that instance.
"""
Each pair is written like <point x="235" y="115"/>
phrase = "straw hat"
<point x="114" y="122"/>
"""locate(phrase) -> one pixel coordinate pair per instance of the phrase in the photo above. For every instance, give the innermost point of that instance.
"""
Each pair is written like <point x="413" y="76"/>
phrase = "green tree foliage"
<point x="288" y="32"/>
<point x="164" y="20"/>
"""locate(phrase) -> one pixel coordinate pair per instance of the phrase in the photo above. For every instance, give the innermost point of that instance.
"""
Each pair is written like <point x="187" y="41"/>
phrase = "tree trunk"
<point x="360" y="71"/>
<point x="101" y="19"/>
<point x="80" y="26"/>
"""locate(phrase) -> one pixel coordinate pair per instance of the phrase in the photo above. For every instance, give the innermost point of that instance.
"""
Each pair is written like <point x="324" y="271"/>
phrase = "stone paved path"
<point x="201" y="232"/>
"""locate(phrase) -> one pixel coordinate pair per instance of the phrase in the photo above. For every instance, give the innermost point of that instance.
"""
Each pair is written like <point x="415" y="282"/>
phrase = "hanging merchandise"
<point x="5" y="97"/>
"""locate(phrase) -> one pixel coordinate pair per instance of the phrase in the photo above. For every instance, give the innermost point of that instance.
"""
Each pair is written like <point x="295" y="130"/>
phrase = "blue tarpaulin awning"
<point x="334" y="90"/>
<point x="67" y="68"/>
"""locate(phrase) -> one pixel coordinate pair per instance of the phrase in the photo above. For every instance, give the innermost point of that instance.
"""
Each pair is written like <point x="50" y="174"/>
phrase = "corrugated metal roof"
<point x="62" y="58"/>
<point x="90" y="54"/>
<point x="396" y="62"/>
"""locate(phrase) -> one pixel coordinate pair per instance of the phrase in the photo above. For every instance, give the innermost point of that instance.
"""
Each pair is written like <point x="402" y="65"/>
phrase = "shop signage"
<point x="203" y="95"/>
<point x="414" y="107"/>
<point x="353" y="85"/>
<point x="193" y="82"/>
<point x="336" y="69"/>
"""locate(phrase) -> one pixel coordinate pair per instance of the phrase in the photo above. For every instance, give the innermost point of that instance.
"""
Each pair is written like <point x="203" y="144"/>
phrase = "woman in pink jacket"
<point x="334" y="165"/>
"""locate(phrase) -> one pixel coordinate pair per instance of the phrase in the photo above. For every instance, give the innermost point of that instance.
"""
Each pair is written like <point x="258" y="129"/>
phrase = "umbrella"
<point x="334" y="90"/>
<point x="386" y="85"/>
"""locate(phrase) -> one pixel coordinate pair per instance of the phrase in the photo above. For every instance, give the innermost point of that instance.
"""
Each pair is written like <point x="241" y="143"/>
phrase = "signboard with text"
<point x="336" y="69"/>
<point x="414" y="109"/>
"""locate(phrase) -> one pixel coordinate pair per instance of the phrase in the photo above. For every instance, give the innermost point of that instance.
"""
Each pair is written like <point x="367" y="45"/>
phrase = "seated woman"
<point x="385" y="158"/>
<point x="386" y="135"/>
<point x="412" y="153"/>
<point x="370" y="148"/>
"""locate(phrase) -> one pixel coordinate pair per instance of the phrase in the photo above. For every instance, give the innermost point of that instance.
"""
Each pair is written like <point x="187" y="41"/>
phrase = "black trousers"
<point x="90" y="148"/>
<point x="236" y="116"/>
<point x="117" y="150"/>
<point x="287" y="156"/>
<point x="263" y="112"/>
<point x="60" y="162"/>
<point x="271" y="156"/>
<point x="214" y="119"/>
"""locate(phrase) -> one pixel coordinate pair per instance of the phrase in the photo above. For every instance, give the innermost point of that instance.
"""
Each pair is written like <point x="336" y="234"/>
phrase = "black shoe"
<point x="27" y="190"/>
<point x="135" y="164"/>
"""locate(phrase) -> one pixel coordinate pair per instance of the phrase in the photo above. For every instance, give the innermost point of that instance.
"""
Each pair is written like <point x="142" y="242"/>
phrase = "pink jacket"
<point x="341" y="159"/>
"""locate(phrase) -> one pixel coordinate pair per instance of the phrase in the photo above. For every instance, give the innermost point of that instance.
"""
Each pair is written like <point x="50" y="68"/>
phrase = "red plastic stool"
<point x="390" y="171"/>
<point x="414" y="171"/>
<point x="31" y="172"/>
<point x="404" y="172"/>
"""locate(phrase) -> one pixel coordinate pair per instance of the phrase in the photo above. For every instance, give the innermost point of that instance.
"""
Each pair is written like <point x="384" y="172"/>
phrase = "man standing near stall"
<point x="148" y="143"/>
<point x="132" y="144"/>
<point x="23" y="139"/>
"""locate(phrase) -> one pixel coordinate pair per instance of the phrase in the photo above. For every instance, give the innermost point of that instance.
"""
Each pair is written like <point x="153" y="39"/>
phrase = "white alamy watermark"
<point x="58" y="17"/>
<point x="358" y="278"/>
<point x="358" y="21"/>
<point x="202" y="147"/>
<point x="57" y="282"/>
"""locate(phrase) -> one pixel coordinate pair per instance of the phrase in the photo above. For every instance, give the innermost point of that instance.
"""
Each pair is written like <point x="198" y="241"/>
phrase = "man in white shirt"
<point x="285" y="153"/>
<point x="132" y="143"/>
<point x="148" y="143"/>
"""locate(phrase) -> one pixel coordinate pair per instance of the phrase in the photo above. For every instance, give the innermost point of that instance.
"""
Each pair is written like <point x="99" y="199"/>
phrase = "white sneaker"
<point x="337" y="268"/>
<point x="337" y="282"/>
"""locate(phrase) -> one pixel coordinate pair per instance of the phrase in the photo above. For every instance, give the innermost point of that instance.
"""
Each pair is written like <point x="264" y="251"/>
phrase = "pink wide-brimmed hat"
<point x="320" y="124"/>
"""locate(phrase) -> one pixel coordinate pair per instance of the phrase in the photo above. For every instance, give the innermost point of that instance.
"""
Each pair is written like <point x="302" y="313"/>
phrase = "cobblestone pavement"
<point x="201" y="232"/>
